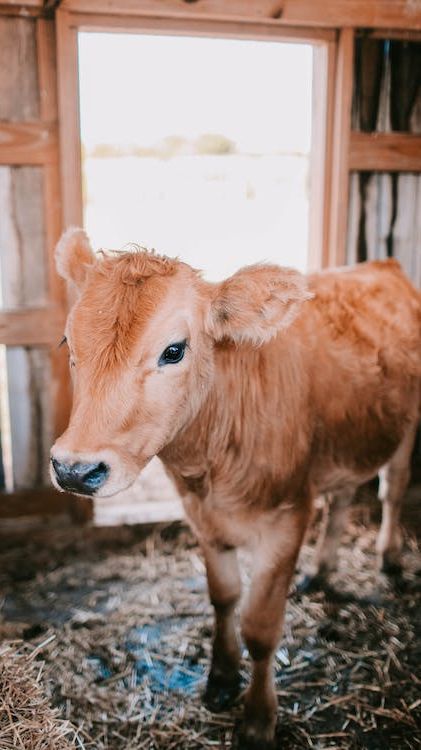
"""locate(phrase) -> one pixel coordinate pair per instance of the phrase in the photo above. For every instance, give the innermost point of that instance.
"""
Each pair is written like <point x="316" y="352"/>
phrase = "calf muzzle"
<point x="84" y="479"/>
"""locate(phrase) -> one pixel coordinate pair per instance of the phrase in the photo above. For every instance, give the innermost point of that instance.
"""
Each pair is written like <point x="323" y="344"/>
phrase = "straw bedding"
<point x="26" y="718"/>
<point x="106" y="643"/>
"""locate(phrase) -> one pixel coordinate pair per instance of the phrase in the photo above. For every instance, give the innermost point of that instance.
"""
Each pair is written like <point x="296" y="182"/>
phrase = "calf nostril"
<point x="60" y="469"/>
<point x="96" y="475"/>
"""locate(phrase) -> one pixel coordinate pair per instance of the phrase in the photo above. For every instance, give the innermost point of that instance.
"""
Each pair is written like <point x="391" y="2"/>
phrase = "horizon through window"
<point x="198" y="147"/>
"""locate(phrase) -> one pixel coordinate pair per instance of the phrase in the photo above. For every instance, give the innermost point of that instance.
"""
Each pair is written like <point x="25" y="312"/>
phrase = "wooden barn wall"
<point x="385" y="207"/>
<point x="24" y="277"/>
<point x="24" y="284"/>
<point x="384" y="219"/>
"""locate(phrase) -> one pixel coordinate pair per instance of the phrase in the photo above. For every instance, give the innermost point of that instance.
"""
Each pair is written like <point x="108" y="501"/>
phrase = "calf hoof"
<point x="257" y="731"/>
<point x="253" y="738"/>
<point x="311" y="583"/>
<point x="221" y="691"/>
<point x="390" y="567"/>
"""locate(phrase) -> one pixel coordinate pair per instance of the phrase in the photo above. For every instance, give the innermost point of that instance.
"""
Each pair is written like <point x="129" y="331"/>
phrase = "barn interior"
<point x="105" y="621"/>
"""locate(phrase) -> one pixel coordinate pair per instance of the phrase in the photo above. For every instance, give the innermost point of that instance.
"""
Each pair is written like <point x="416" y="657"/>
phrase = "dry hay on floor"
<point x="26" y="717"/>
<point x="131" y="632"/>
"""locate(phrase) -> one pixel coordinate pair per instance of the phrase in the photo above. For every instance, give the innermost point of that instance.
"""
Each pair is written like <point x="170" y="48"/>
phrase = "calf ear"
<point x="74" y="256"/>
<point x="256" y="303"/>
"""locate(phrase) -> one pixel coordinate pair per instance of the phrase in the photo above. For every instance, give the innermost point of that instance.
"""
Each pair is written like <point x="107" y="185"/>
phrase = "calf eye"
<point x="172" y="354"/>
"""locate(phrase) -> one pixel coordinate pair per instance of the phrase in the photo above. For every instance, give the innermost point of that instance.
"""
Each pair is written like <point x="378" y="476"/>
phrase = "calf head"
<point x="142" y="336"/>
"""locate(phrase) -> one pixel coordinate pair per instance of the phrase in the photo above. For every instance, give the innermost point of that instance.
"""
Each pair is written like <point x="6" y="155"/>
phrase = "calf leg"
<point x="262" y="622"/>
<point x="335" y="515"/>
<point x="224" y="585"/>
<point x="394" y="479"/>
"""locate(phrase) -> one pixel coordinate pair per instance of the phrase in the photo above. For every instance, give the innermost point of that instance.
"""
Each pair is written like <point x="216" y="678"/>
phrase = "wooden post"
<point x="341" y="128"/>
<point x="324" y="61"/>
<point x="68" y="104"/>
<point x="60" y="380"/>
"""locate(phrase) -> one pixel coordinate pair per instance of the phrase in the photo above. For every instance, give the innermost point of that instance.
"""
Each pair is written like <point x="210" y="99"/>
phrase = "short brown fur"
<point x="289" y="387"/>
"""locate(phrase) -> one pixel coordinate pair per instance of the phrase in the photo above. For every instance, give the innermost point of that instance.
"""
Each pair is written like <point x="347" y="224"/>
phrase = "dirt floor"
<point x="116" y="630"/>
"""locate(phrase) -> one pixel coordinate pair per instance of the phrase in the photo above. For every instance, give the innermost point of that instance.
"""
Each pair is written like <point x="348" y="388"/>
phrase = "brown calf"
<point x="257" y="393"/>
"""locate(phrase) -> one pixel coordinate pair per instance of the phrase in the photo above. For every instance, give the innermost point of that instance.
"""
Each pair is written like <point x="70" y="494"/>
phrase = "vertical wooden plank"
<point x="354" y="211"/>
<point x="416" y="274"/>
<point x="23" y="277"/>
<point x="324" y="58"/>
<point x="69" y="119"/>
<point x="47" y="67"/>
<point x="407" y="227"/>
<point x="5" y="431"/>
<point x="19" y="100"/>
<point x="47" y="76"/>
<point x="30" y="415"/>
<point x="22" y="248"/>
<point x="23" y="283"/>
<point x="405" y="62"/>
<point x="369" y="64"/>
<point x="55" y="218"/>
<point x="377" y="215"/>
<point x="340" y="148"/>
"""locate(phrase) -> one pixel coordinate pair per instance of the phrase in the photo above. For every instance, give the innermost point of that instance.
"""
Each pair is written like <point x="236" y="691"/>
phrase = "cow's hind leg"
<point x="224" y="585"/>
<point x="335" y="515"/>
<point x="394" y="479"/>
<point x="262" y="620"/>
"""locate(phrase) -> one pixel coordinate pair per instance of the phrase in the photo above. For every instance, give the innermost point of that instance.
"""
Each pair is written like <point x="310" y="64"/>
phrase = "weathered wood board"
<point x="19" y="99"/>
<point x="24" y="283"/>
<point x="385" y="207"/>
<point x="22" y="240"/>
<point x="25" y="382"/>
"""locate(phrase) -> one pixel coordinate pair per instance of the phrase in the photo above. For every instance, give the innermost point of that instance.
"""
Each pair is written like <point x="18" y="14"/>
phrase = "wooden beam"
<point x="23" y="3"/>
<point x="385" y="152"/>
<point x="22" y="8"/>
<point x="403" y="35"/>
<point x="31" y="143"/>
<point x="323" y="92"/>
<point x="256" y="10"/>
<point x="61" y="397"/>
<point x="396" y="14"/>
<point x="31" y="327"/>
<point x="45" y="502"/>
<point x="69" y="120"/>
<point x="200" y="26"/>
<point x="339" y="180"/>
<point x="21" y="11"/>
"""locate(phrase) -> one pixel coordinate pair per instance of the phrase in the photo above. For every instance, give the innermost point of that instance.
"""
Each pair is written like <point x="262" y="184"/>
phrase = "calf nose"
<point x="81" y="478"/>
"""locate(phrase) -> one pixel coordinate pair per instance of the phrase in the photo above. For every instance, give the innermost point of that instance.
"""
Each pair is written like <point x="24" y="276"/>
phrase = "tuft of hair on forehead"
<point x="123" y="290"/>
<point x="135" y="265"/>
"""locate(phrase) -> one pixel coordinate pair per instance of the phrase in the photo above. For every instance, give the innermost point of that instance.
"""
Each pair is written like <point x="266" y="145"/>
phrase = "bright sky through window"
<point x="197" y="146"/>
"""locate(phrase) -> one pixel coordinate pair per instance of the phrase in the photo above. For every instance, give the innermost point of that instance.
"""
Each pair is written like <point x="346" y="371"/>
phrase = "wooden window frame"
<point x="327" y="24"/>
<point x="325" y="47"/>
<point x="324" y="41"/>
